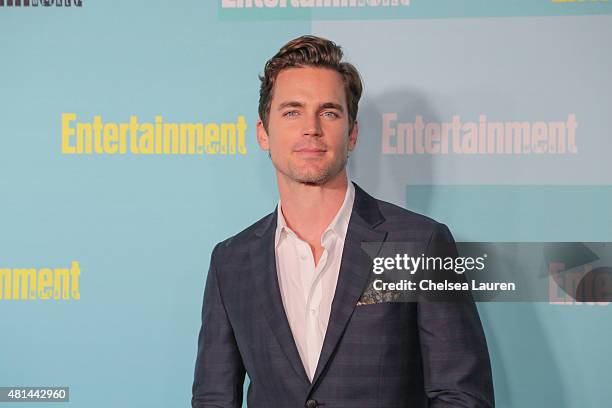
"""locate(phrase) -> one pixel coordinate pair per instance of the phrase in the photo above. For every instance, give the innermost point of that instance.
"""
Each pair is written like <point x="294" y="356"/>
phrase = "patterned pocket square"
<point x="372" y="296"/>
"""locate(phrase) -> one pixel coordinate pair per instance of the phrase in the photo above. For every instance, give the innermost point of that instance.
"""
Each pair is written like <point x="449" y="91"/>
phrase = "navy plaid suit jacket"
<point x="380" y="355"/>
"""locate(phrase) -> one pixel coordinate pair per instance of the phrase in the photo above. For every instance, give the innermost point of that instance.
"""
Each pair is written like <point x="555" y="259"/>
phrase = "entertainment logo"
<point x="311" y="3"/>
<point x="258" y="10"/>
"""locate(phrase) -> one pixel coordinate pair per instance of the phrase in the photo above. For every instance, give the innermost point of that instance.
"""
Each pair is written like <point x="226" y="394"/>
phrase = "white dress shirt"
<point x="307" y="289"/>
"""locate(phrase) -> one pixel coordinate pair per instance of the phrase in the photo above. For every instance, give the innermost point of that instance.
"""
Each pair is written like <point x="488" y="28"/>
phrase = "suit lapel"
<point x="353" y="275"/>
<point x="263" y="260"/>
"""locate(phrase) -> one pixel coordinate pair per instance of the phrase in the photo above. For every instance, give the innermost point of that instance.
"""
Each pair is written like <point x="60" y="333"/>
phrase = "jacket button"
<point x="311" y="404"/>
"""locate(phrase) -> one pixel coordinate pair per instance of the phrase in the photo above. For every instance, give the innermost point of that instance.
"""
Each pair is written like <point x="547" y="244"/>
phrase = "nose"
<point x="312" y="126"/>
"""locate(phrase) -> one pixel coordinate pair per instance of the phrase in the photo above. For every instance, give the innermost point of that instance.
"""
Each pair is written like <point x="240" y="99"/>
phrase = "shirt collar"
<point x="338" y="226"/>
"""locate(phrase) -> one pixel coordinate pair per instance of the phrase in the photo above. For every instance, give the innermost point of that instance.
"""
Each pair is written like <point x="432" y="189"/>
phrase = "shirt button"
<point x="303" y="257"/>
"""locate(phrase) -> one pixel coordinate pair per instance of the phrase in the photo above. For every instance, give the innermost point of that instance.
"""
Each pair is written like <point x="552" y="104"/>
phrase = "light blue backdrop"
<point x="142" y="227"/>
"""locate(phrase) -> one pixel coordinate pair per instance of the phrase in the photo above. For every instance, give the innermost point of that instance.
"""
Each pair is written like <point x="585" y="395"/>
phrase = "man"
<point x="282" y="298"/>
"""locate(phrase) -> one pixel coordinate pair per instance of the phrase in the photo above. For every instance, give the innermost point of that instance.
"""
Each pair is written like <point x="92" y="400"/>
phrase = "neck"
<point x="309" y="209"/>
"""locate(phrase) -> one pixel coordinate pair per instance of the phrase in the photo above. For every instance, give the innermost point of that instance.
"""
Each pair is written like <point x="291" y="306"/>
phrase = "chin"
<point x="318" y="177"/>
<point x="312" y="179"/>
<point x="312" y="174"/>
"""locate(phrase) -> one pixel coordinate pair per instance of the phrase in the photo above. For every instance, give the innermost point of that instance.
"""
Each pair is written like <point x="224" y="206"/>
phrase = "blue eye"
<point x="330" y="114"/>
<point x="290" y="113"/>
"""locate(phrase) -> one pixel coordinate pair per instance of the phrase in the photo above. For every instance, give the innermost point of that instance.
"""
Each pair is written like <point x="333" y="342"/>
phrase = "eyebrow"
<point x="296" y="104"/>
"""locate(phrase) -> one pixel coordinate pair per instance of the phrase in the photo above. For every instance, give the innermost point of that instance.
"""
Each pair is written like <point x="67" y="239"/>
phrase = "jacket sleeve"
<point x="456" y="365"/>
<point x="219" y="371"/>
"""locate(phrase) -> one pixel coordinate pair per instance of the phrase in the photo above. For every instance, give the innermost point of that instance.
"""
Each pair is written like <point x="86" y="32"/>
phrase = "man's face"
<point x="308" y="126"/>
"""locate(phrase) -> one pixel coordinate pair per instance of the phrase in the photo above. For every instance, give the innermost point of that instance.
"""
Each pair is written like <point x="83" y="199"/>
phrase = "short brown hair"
<point x="309" y="50"/>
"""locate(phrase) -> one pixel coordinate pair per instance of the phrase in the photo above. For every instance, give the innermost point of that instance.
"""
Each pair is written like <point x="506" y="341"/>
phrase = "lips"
<point x="311" y="150"/>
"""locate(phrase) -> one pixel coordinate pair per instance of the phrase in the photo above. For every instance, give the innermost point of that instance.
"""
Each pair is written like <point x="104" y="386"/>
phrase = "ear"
<point x="262" y="136"/>
<point x="353" y="136"/>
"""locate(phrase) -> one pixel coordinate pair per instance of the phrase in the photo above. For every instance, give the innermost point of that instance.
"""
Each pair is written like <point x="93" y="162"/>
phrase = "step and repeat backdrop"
<point x="128" y="150"/>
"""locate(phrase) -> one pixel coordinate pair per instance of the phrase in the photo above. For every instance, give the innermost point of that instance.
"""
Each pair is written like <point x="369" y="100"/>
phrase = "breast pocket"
<point x="380" y="322"/>
<point x="389" y="331"/>
<point x="382" y="311"/>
